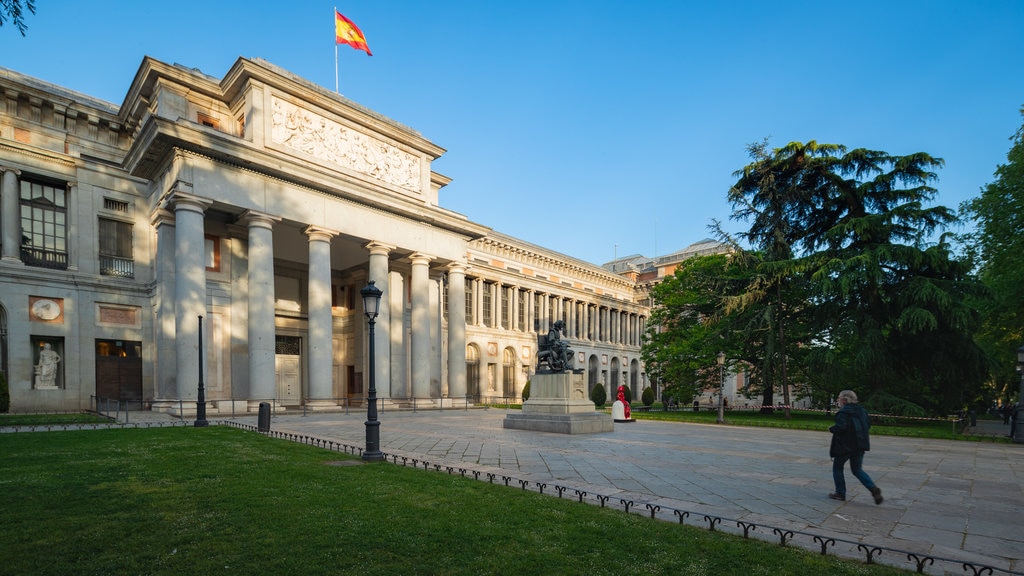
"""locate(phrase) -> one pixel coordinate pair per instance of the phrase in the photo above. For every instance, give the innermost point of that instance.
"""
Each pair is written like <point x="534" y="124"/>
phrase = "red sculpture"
<point x="625" y="403"/>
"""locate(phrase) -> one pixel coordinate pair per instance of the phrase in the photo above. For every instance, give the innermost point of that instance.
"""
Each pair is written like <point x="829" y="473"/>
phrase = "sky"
<point x="598" y="129"/>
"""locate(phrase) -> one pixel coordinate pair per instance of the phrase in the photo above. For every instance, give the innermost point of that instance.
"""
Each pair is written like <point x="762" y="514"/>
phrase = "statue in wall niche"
<point x="46" y="370"/>
<point x="553" y="351"/>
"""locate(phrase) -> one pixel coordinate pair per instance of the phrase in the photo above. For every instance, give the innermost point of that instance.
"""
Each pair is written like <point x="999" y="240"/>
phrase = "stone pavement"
<point x="955" y="501"/>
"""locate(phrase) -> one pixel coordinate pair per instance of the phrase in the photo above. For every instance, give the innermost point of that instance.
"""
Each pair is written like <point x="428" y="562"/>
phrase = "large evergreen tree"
<point x="849" y="233"/>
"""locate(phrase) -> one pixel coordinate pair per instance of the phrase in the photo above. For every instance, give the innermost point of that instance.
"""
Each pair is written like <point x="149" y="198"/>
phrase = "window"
<point x="473" y="371"/>
<point x="44" y="225"/>
<point x="508" y="372"/>
<point x="521" y="320"/>
<point x="212" y="253"/>
<point x="207" y="120"/>
<point x="488" y="311"/>
<point x="116" y="255"/>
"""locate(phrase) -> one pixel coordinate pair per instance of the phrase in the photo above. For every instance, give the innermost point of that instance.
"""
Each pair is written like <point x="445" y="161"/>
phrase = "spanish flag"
<point x="346" y="32"/>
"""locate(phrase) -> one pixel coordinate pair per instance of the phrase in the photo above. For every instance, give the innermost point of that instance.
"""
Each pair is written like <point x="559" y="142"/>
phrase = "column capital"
<point x="421" y="258"/>
<point x="253" y="218"/>
<point x="186" y="201"/>
<point x="319" y="233"/>
<point x="6" y="169"/>
<point x="458" y="268"/>
<point x="161" y="217"/>
<point x="378" y="248"/>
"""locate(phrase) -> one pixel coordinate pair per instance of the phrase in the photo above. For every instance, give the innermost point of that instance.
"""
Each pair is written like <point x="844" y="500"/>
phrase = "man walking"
<point x="850" y="440"/>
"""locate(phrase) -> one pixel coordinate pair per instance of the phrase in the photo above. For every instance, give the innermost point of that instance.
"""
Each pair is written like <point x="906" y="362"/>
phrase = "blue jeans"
<point x="856" y="462"/>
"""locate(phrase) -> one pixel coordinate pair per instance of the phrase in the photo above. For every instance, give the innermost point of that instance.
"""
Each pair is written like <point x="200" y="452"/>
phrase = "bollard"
<point x="263" y="421"/>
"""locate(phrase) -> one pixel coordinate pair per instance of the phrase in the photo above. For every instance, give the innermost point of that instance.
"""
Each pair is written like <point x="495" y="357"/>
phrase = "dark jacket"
<point x="850" y="432"/>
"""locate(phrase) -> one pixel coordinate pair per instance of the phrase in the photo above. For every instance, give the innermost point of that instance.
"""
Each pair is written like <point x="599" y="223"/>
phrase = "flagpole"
<point x="334" y="18"/>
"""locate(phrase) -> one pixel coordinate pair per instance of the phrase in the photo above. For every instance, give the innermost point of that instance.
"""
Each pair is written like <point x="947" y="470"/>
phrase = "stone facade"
<point x="263" y="204"/>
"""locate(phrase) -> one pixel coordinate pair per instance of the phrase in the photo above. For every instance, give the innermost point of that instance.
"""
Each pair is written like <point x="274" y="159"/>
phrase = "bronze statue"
<point x="554" y="351"/>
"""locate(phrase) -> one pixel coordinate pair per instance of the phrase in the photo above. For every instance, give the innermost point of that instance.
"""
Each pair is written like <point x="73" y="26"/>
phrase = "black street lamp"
<point x="371" y="306"/>
<point x="201" y="401"/>
<point x="1018" y="416"/>
<point x="721" y="386"/>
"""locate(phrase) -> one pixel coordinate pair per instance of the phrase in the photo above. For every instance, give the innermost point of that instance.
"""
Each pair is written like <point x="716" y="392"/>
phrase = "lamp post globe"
<point x="371" y="307"/>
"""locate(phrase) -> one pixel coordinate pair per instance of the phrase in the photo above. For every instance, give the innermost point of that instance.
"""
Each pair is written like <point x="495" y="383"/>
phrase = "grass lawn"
<point x="814" y="420"/>
<point x="222" y="500"/>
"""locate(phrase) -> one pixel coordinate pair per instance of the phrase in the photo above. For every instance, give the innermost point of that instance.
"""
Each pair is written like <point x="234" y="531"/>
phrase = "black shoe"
<point x="837" y="496"/>
<point x="877" y="493"/>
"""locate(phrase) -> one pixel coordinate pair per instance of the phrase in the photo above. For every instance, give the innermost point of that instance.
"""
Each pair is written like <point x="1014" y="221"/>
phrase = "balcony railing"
<point x="44" y="258"/>
<point x="115" y="266"/>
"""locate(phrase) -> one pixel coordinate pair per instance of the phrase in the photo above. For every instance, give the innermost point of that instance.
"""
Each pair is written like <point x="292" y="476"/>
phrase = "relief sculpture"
<point x="307" y="132"/>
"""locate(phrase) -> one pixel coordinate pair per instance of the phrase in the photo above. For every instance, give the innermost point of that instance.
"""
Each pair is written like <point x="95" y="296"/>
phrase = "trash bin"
<point x="263" y="422"/>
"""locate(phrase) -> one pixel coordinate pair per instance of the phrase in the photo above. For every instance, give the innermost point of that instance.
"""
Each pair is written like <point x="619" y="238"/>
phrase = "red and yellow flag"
<point x="346" y="32"/>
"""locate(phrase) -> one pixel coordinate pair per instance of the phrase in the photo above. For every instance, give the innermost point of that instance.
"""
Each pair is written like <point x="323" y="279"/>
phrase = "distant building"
<point x="259" y="205"/>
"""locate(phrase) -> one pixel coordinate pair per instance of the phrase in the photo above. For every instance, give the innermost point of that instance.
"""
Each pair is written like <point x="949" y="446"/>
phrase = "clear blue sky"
<point x="590" y="127"/>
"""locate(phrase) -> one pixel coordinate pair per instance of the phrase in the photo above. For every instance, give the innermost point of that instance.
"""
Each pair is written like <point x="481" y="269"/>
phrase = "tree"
<point x="997" y="244"/>
<point x="14" y="10"/>
<point x="688" y="327"/>
<point x="777" y="192"/>
<point x="847" y="258"/>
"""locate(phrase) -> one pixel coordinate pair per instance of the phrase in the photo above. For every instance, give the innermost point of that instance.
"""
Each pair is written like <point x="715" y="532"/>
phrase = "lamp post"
<point x="1018" y="416"/>
<point x="201" y="401"/>
<point x="371" y="306"/>
<point x="721" y="387"/>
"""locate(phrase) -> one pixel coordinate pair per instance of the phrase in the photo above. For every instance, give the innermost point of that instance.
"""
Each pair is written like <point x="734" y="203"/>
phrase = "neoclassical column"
<point x="478" y="300"/>
<point x="573" y="332"/>
<point x="166" y="384"/>
<point x="10" y="216"/>
<point x="321" y="321"/>
<point x="456" y="330"/>
<point x="72" y="225"/>
<point x="262" y="334"/>
<point x="379" y="273"/>
<point x="189" y="290"/>
<point x="420" y="327"/>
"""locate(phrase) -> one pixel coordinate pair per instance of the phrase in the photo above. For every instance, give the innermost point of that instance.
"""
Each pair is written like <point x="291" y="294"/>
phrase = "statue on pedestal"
<point x="553" y="350"/>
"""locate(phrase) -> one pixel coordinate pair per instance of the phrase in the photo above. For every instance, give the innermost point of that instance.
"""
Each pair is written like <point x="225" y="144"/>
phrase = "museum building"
<point x="219" y="230"/>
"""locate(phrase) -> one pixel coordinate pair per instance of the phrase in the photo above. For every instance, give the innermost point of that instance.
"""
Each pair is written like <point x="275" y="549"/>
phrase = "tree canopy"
<point x="842" y="277"/>
<point x="997" y="244"/>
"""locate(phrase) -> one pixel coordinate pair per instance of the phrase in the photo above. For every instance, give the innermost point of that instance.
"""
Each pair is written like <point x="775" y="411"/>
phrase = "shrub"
<point x="5" y="395"/>
<point x="526" y="391"/>
<point x="598" y="396"/>
<point x="884" y="403"/>
<point x="647" y="397"/>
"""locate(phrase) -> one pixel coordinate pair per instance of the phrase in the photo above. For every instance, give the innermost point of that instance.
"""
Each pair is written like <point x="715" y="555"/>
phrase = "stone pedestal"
<point x="559" y="403"/>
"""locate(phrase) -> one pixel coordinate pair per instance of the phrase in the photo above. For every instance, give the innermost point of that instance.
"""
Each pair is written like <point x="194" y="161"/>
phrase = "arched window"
<point x="473" y="371"/>
<point x="508" y="372"/>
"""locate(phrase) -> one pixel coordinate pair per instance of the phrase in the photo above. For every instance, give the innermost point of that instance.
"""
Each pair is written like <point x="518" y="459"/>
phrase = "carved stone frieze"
<point x="300" y="129"/>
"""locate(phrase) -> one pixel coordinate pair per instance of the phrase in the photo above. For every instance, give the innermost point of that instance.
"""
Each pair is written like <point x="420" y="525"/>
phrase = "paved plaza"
<point x="956" y="500"/>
